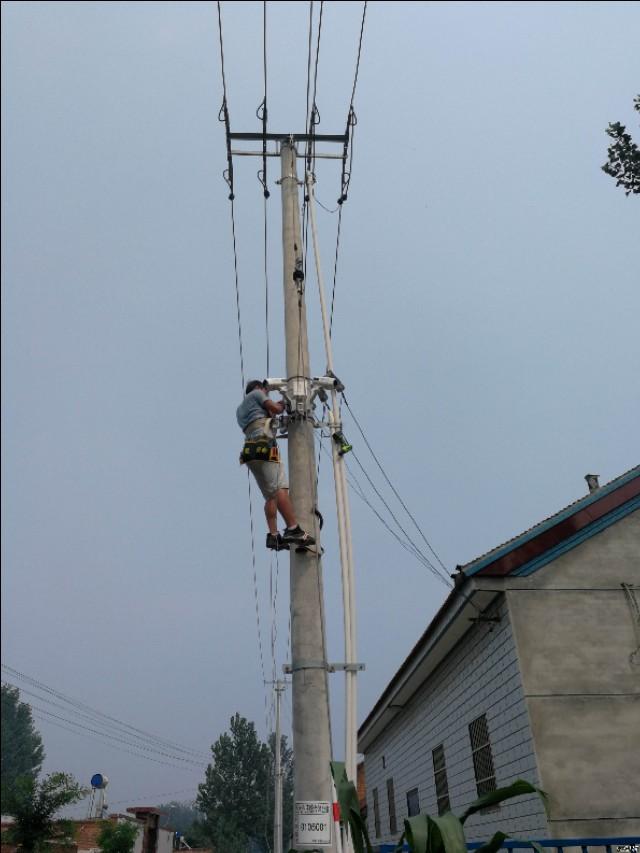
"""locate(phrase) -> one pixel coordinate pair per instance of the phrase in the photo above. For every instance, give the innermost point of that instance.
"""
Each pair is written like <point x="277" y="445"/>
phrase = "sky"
<point x="486" y="329"/>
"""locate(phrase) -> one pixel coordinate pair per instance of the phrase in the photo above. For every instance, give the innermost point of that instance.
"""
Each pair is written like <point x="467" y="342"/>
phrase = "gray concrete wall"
<point x="575" y="635"/>
<point x="480" y="676"/>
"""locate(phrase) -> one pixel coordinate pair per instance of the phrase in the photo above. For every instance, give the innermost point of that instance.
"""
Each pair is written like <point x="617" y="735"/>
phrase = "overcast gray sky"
<point x="486" y="327"/>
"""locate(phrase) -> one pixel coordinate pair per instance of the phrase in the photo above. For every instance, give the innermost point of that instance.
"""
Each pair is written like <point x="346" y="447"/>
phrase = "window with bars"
<point x="413" y="802"/>
<point x="482" y="757"/>
<point x="376" y="813"/>
<point x="440" y="776"/>
<point x="391" y="799"/>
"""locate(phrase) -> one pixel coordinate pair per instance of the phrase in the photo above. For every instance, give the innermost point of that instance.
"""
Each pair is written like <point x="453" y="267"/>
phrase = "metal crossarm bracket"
<point x="292" y="137"/>
<point x="345" y="667"/>
<point x="288" y="668"/>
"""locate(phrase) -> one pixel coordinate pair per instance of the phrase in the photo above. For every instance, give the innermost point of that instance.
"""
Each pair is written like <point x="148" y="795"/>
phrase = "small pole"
<point x="277" y="813"/>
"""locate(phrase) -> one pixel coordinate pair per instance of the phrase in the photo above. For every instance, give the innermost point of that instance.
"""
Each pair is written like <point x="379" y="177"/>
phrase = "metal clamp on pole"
<point x="299" y="665"/>
<point x="288" y="668"/>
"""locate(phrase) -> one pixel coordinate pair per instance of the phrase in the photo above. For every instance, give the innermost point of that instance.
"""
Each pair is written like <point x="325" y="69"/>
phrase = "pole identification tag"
<point x="312" y="823"/>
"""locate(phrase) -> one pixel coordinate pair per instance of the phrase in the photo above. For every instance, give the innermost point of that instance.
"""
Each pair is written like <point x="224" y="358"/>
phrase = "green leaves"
<point x="624" y="156"/>
<point x="424" y="833"/>
<point x="118" y="837"/>
<point x="33" y="806"/>
<point x="22" y="750"/>
<point x="442" y="834"/>
<point x="350" y="808"/>
<point x="517" y="789"/>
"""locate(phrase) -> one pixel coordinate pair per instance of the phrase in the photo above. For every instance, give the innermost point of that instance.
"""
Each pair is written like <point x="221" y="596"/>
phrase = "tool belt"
<point x="261" y="449"/>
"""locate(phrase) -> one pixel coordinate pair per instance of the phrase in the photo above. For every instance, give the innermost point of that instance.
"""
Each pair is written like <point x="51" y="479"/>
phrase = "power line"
<point x="110" y="737"/>
<point x="110" y="745"/>
<point x="346" y="175"/>
<point x="355" y="77"/>
<point x="167" y="744"/>
<point x="428" y="564"/>
<point x="96" y="721"/>
<point x="392" y="487"/>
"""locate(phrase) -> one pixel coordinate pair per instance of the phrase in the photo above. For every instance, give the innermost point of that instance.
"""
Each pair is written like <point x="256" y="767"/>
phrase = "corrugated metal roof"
<point x="570" y="509"/>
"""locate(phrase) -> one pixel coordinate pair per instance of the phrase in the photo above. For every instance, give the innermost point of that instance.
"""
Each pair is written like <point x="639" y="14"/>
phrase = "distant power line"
<point x="85" y="718"/>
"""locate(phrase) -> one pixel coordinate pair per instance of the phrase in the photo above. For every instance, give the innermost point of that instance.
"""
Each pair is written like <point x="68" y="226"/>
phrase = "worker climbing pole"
<point x="294" y="417"/>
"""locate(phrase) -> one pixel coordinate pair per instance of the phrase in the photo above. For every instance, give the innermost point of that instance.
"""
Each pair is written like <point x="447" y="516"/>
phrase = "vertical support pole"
<point x="344" y="525"/>
<point x="311" y="724"/>
<point x="277" y="811"/>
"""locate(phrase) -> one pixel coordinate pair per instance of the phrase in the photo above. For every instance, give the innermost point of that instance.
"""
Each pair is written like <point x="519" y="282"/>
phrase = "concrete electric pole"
<point x="311" y="727"/>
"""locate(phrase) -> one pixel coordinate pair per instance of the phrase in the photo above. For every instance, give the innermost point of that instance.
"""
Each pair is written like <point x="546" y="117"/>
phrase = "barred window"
<point x="376" y="813"/>
<point x="391" y="798"/>
<point x="413" y="802"/>
<point x="482" y="757"/>
<point x="440" y="776"/>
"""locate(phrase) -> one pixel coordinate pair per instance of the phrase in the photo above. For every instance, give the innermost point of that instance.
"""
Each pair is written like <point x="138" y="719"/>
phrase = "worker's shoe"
<point x="275" y="542"/>
<point x="298" y="537"/>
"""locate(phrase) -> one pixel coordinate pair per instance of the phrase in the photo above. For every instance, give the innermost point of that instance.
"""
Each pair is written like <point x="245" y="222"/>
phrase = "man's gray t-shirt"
<point x="250" y="409"/>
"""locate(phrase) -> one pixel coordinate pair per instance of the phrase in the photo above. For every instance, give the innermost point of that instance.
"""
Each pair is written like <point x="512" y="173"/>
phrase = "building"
<point x="529" y="670"/>
<point x="151" y="837"/>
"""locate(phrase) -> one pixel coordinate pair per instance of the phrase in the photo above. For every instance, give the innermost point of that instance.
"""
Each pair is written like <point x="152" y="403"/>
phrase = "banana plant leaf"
<point x="495" y="843"/>
<point x="517" y="789"/>
<point x="426" y="834"/>
<point x="350" y="808"/>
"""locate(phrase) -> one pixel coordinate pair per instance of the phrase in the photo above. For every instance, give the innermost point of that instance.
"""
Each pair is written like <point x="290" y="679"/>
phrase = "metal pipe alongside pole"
<point x="344" y="522"/>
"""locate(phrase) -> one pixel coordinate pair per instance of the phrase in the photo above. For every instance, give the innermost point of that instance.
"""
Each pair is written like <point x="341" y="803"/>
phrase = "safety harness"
<point x="262" y="449"/>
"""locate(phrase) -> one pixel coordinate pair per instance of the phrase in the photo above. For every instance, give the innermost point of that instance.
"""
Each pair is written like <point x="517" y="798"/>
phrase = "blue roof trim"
<point x="597" y="526"/>
<point x="476" y="566"/>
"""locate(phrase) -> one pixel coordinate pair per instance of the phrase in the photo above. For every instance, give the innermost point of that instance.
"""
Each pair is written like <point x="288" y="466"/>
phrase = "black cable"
<point x="112" y="746"/>
<point x="393" y="489"/>
<point x="346" y="174"/>
<point x="335" y="271"/>
<point x="428" y="563"/>
<point x="113" y="737"/>
<point x="306" y="115"/>
<point x="355" y="78"/>
<point x="223" y="115"/>
<point x="359" y="491"/>
<point x="84" y="707"/>
<point x="266" y="286"/>
<point x="264" y="182"/>
<point x="237" y="284"/>
<point x="117" y="728"/>
<point x="314" y="117"/>
<point x="224" y="79"/>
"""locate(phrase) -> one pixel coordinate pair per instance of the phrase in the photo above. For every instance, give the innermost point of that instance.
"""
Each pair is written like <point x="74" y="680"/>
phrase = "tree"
<point x="624" y="156"/>
<point x="234" y="796"/>
<point x="22" y="751"/>
<point x="185" y="819"/>
<point x="33" y="806"/>
<point x="118" y="837"/>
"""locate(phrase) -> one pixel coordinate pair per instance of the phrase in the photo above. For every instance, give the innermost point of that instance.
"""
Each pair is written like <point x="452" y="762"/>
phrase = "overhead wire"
<point x="110" y="745"/>
<point x="240" y="335"/>
<point x="138" y="743"/>
<point x="392" y="487"/>
<point x="82" y="706"/>
<point x="351" y="122"/>
<point x="105" y="735"/>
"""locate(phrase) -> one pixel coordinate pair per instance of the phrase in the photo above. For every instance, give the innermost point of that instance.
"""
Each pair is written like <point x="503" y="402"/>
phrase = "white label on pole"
<point x="312" y="823"/>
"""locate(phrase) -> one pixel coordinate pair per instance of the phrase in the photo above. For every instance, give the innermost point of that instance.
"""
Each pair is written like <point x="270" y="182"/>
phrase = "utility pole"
<point x="311" y="725"/>
<point x="277" y="811"/>
<point x="313" y="785"/>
